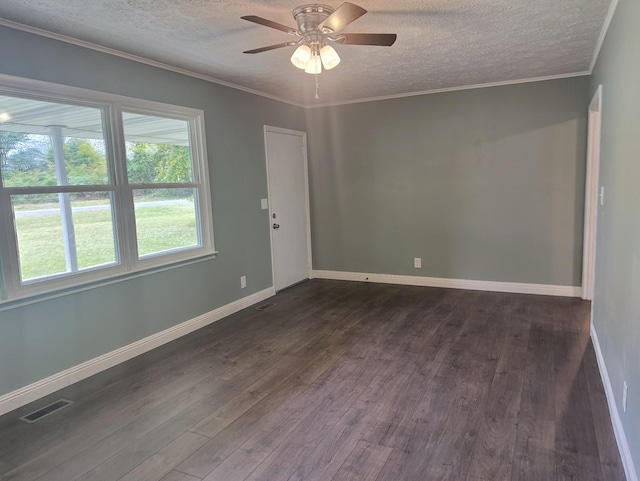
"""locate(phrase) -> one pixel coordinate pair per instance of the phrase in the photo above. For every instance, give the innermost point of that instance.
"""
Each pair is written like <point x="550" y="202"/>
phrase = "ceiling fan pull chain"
<point x="317" y="87"/>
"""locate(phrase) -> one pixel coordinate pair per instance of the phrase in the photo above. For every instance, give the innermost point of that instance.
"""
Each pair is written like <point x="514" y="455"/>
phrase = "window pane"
<point x="94" y="229"/>
<point x="46" y="143"/>
<point x="157" y="149"/>
<point x="166" y="219"/>
<point x="50" y="245"/>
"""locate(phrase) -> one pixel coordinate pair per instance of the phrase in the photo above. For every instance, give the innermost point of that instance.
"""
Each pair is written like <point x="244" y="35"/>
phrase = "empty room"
<point x="277" y="241"/>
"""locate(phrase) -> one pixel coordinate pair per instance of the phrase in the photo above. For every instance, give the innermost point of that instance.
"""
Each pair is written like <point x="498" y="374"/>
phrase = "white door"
<point x="286" y="153"/>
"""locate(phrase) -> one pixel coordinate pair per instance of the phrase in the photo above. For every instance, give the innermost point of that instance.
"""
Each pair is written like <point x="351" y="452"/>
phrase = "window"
<point x="160" y="174"/>
<point x="93" y="187"/>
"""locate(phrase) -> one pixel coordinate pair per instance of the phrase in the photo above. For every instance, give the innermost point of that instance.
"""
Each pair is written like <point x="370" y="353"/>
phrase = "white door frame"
<point x="303" y="135"/>
<point x="591" y="195"/>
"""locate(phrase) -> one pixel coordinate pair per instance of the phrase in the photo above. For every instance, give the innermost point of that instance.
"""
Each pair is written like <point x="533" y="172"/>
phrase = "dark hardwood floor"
<point x="341" y="381"/>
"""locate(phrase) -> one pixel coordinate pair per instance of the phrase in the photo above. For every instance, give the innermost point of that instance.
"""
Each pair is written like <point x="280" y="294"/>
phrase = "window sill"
<point x="8" y="304"/>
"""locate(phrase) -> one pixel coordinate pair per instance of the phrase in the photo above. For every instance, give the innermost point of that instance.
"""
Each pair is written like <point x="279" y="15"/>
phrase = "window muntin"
<point x="95" y="220"/>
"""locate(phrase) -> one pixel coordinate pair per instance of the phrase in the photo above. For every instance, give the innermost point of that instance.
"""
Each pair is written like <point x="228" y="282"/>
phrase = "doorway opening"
<point x="591" y="196"/>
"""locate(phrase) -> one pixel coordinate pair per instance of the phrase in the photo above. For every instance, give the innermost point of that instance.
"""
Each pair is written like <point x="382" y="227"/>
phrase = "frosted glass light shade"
<point x="301" y="56"/>
<point x="314" y="65"/>
<point x="329" y="57"/>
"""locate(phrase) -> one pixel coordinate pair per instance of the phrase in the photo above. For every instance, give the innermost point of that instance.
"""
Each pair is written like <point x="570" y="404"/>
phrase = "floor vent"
<point x="266" y="306"/>
<point x="45" y="411"/>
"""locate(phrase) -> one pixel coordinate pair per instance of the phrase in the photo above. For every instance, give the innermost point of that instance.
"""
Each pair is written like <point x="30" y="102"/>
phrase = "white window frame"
<point x="127" y="261"/>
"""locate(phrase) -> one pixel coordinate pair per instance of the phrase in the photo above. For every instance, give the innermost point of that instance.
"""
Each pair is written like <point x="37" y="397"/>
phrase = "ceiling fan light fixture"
<point x="317" y="26"/>
<point x="314" y="65"/>
<point x="329" y="56"/>
<point x="301" y="56"/>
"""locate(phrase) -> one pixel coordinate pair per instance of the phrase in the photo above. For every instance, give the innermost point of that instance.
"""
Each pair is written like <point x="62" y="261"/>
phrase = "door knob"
<point x="276" y="226"/>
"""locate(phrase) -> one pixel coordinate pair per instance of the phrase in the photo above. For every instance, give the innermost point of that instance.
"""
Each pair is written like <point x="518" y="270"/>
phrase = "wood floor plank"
<point x="301" y="442"/>
<point x="281" y="425"/>
<point x="178" y="476"/>
<point x="265" y="418"/>
<point x="244" y="400"/>
<point x="448" y="454"/>
<point x="577" y="467"/>
<point x="163" y="462"/>
<point x="134" y="453"/>
<point x="156" y="428"/>
<point x="532" y="463"/>
<point x="363" y="463"/>
<point x="395" y="467"/>
<point x="332" y="451"/>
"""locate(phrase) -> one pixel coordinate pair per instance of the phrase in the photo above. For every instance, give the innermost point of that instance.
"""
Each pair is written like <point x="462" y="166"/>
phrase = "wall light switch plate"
<point x="625" y="396"/>
<point x="417" y="262"/>
<point x="264" y="203"/>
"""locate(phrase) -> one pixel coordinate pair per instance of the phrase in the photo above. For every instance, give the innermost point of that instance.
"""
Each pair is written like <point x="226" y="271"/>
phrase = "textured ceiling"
<point x="441" y="43"/>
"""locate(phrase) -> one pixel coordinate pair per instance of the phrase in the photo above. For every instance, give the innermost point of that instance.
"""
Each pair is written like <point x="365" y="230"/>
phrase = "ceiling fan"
<point x="318" y="27"/>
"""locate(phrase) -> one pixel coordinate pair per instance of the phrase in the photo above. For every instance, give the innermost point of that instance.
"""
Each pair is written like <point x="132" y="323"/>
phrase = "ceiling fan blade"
<point x="343" y="16"/>
<point x="271" y="47"/>
<point x="268" y="23"/>
<point x="380" y="39"/>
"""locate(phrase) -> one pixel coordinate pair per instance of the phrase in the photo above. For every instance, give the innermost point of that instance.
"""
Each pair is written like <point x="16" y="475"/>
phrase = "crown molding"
<point x="171" y="68"/>
<point x="135" y="58"/>
<point x="603" y="34"/>
<point x="454" y="89"/>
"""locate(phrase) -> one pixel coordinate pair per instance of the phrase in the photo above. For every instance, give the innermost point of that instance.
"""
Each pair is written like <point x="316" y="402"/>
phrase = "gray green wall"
<point x="483" y="184"/>
<point x="617" y="281"/>
<point x="47" y="337"/>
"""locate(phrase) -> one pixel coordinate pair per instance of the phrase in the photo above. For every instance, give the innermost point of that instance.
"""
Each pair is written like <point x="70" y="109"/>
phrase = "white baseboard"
<point x="493" y="286"/>
<point x="39" y="389"/>
<point x="618" y="429"/>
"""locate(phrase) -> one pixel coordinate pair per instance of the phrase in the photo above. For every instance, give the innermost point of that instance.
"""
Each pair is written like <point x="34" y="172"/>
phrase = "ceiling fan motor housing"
<point x="309" y="17"/>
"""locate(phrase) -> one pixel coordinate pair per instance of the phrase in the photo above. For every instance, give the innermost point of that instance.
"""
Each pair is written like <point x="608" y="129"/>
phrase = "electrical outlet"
<point x="602" y="195"/>
<point x="264" y="204"/>
<point x="417" y="262"/>
<point x="625" y="395"/>
<point x="243" y="282"/>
